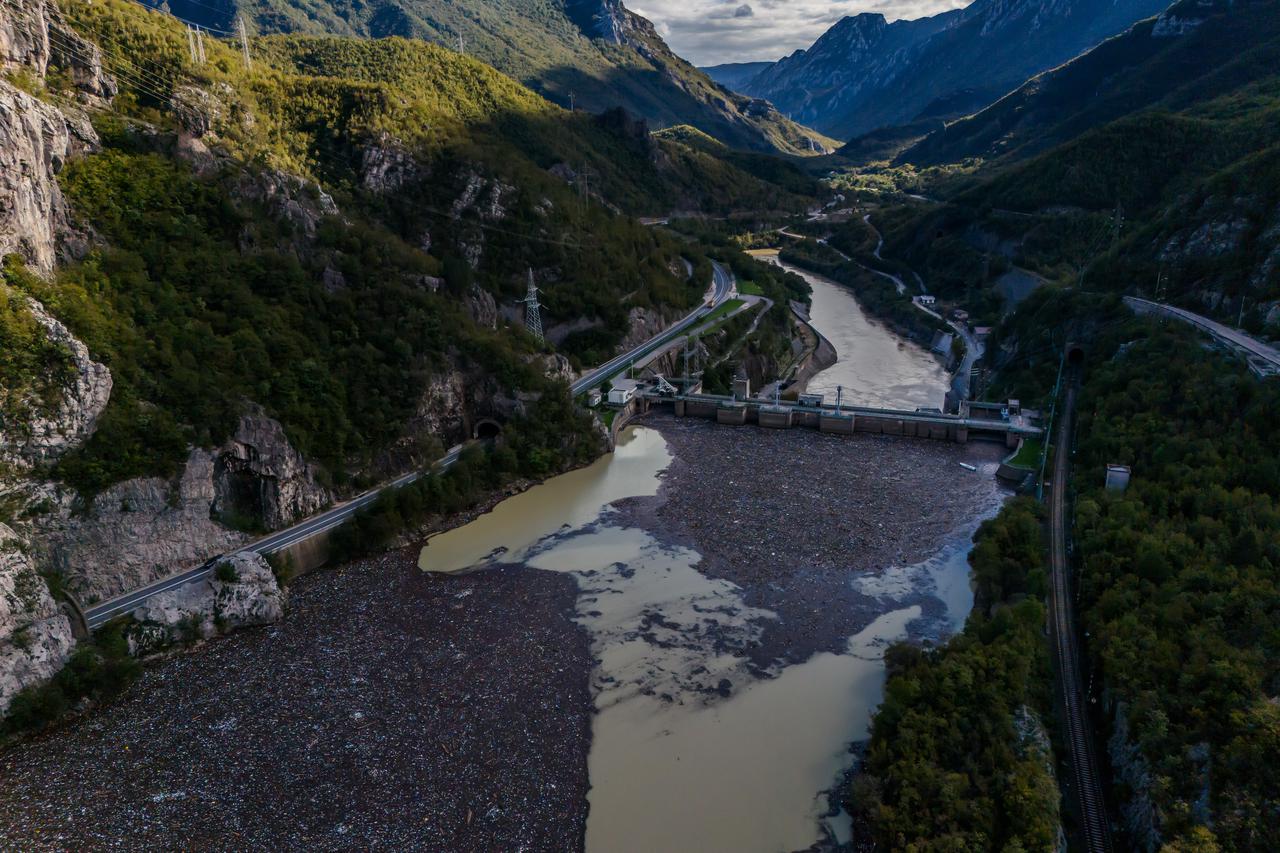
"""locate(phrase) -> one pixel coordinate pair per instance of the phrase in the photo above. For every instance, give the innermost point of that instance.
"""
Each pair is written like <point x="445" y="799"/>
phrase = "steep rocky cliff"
<point x="35" y="141"/>
<point x="35" y="637"/>
<point x="51" y="431"/>
<point x="146" y="528"/>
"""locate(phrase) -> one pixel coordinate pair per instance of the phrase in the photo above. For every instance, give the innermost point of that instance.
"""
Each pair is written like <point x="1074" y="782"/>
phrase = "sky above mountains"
<point x="711" y="32"/>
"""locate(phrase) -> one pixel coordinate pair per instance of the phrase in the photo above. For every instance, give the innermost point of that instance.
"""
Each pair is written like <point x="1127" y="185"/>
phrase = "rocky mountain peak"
<point x="602" y="19"/>
<point x="866" y="73"/>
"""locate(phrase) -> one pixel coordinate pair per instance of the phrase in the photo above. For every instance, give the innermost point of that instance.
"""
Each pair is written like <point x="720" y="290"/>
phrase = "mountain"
<point x="1192" y="52"/>
<point x="866" y="73"/>
<point x="735" y="75"/>
<point x="1149" y="166"/>
<point x="593" y="54"/>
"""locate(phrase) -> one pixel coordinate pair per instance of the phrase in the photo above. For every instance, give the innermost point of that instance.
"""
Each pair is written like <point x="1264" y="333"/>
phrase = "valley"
<point x="470" y="425"/>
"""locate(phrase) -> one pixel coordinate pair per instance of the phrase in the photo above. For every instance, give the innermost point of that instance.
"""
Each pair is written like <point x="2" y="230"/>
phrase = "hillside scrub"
<point x="954" y="761"/>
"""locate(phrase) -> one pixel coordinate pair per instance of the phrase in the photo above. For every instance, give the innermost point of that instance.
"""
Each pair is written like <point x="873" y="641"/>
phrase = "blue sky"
<point x="709" y="32"/>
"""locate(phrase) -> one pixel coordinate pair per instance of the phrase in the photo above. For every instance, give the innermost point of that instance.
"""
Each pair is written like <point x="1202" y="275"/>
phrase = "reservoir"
<point x="712" y="731"/>
<point x="695" y="744"/>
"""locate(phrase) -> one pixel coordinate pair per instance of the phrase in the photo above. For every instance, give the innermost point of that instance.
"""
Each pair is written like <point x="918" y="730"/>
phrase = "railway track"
<point x="1095" y="826"/>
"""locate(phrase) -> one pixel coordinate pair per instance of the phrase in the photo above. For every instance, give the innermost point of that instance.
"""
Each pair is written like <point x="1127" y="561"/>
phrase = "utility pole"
<point x="200" y="44"/>
<point x="532" y="312"/>
<point x="191" y="46"/>
<point x="573" y="100"/>
<point x="1117" y="224"/>
<point x="462" y="44"/>
<point x="244" y="41"/>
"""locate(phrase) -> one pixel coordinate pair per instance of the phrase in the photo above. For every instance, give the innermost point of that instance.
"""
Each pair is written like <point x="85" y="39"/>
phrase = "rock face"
<point x="242" y="592"/>
<point x="49" y="435"/>
<point x="642" y="324"/>
<point x="482" y="307"/>
<point x="288" y="197"/>
<point x="260" y="475"/>
<point x="35" y="637"/>
<point x="135" y="532"/>
<point x="147" y="528"/>
<point x="35" y="141"/>
<point x="385" y="166"/>
<point x="866" y="73"/>
<point x="24" y="36"/>
<point x="1141" y="818"/>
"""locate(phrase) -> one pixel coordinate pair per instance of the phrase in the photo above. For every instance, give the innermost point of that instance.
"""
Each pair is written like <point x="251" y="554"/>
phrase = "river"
<point x="875" y="367"/>
<point x="694" y="748"/>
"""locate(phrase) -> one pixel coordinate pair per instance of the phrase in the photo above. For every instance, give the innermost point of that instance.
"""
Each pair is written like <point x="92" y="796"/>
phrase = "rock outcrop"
<point x="287" y="197"/>
<point x="143" y="529"/>
<point x="134" y="532"/>
<point x="36" y="140"/>
<point x="482" y="307"/>
<point x="258" y="474"/>
<point x="24" y="36"/>
<point x="242" y="592"/>
<point x="1139" y="814"/>
<point x="386" y="166"/>
<point x="642" y="324"/>
<point x="50" y="433"/>
<point x="35" y="637"/>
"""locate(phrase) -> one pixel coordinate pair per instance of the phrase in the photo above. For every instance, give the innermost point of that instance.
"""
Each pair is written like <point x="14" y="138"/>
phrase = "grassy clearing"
<point x="1029" y="454"/>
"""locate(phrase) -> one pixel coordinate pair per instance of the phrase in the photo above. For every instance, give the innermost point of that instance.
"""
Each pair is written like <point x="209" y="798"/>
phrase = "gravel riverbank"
<point x="390" y="710"/>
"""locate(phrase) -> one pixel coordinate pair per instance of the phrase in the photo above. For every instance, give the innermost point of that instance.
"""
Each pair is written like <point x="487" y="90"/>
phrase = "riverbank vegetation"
<point x="959" y="758"/>
<point x="98" y="670"/>
<point x="553" y="437"/>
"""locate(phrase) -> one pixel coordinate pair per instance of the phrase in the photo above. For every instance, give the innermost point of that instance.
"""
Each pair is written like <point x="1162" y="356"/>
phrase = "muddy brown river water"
<point x="693" y="746"/>
<point x="875" y="367"/>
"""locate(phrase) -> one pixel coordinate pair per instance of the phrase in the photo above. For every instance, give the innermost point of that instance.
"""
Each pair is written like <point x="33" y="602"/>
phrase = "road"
<point x="973" y="350"/>
<point x="1075" y="712"/>
<point x="1236" y="338"/>
<point x="723" y="287"/>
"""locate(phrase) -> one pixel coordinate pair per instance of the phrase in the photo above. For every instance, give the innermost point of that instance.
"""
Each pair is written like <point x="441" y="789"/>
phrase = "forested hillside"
<point x="1148" y="167"/>
<point x="592" y="53"/>
<point x="437" y="188"/>
<point x="1164" y="183"/>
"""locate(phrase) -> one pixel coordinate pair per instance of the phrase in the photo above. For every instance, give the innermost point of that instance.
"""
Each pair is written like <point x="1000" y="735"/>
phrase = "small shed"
<point x="812" y="401"/>
<point x="1118" y="477"/>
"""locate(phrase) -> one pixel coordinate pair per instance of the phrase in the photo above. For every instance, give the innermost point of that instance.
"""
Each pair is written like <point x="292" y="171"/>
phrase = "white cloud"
<point x="709" y="32"/>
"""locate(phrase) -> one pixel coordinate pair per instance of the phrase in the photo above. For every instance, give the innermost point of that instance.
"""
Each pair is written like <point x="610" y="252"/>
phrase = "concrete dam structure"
<point x="987" y="421"/>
